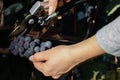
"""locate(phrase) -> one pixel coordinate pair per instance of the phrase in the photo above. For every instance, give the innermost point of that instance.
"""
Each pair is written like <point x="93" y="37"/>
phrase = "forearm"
<point x="86" y="49"/>
<point x="106" y="40"/>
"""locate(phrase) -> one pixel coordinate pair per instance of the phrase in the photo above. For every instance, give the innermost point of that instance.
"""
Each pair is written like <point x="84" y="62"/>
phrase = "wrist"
<point x="85" y="50"/>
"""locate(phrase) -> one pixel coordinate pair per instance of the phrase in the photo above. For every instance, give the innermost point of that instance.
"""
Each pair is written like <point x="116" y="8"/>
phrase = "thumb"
<point x="40" y="56"/>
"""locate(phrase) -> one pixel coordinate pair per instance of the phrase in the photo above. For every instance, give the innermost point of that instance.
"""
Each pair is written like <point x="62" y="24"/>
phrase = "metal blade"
<point x="18" y="29"/>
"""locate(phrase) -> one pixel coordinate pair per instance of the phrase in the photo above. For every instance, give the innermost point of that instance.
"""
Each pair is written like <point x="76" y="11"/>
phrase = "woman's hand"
<point x="61" y="59"/>
<point x="54" y="62"/>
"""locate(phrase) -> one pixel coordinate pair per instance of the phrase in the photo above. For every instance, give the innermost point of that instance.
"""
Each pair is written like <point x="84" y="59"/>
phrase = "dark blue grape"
<point x="14" y="42"/>
<point x="32" y="44"/>
<point x="16" y="47"/>
<point x="26" y="45"/>
<point x="36" y="49"/>
<point x="42" y="48"/>
<point x="28" y="39"/>
<point x="22" y="39"/>
<point x="20" y="43"/>
<point x="21" y="51"/>
<point x="48" y="44"/>
<point x="28" y="52"/>
<point x="37" y="41"/>
<point x="42" y="44"/>
<point x="14" y="51"/>
<point x="12" y="45"/>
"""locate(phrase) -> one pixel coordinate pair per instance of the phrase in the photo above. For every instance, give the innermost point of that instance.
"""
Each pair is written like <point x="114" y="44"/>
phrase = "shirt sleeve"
<point x="109" y="37"/>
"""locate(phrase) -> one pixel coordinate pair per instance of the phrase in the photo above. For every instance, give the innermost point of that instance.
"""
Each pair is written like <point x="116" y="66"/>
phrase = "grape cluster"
<point x="25" y="46"/>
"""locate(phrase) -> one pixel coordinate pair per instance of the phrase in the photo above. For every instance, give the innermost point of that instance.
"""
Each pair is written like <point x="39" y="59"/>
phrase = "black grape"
<point x="32" y="44"/>
<point x="42" y="48"/>
<point x="16" y="47"/>
<point x="48" y="44"/>
<point x="28" y="39"/>
<point x="12" y="45"/>
<point x="28" y="52"/>
<point x="20" y="43"/>
<point x="26" y="45"/>
<point x="22" y="39"/>
<point x="42" y="44"/>
<point x="37" y="41"/>
<point x="14" y="42"/>
<point x="15" y="52"/>
<point x="21" y="51"/>
<point x="36" y="49"/>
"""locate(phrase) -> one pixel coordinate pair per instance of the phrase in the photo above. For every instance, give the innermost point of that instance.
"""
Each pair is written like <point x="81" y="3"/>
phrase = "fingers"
<point x="45" y="4"/>
<point x="39" y="66"/>
<point x="51" y="5"/>
<point x="42" y="67"/>
<point x="40" y="56"/>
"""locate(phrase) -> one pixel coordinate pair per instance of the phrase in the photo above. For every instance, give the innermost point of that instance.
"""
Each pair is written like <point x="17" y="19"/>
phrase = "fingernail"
<point x="50" y="10"/>
<point x="31" y="58"/>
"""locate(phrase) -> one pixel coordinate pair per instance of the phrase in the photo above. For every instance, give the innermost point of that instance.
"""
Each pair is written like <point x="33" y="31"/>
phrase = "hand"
<point x="52" y="5"/>
<point x="54" y="62"/>
<point x="59" y="60"/>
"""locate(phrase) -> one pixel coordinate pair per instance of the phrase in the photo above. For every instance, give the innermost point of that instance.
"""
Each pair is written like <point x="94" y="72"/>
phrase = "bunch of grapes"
<point x="25" y="46"/>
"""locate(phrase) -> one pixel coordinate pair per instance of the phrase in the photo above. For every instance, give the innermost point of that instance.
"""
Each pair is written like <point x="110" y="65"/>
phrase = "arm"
<point x="59" y="60"/>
